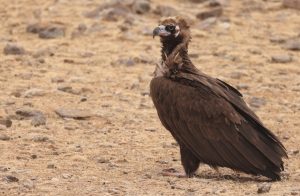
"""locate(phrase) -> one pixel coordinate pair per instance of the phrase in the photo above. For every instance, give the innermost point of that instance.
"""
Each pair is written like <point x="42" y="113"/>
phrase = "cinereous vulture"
<point x="207" y="117"/>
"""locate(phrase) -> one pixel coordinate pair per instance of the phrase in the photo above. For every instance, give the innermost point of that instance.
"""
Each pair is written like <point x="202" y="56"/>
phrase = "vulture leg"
<point x="189" y="161"/>
<point x="190" y="164"/>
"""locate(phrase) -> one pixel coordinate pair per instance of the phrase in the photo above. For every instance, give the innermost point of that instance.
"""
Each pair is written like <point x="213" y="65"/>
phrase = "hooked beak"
<point x="160" y="31"/>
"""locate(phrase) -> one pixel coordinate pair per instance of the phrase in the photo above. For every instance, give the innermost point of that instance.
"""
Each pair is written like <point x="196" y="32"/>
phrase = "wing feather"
<point x="216" y="124"/>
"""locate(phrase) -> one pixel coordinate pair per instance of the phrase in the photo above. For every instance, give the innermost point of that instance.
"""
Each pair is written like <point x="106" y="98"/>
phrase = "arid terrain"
<point x="76" y="117"/>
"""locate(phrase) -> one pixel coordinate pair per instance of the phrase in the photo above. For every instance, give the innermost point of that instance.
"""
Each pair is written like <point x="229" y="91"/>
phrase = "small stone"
<point x="277" y="39"/>
<point x="294" y="4"/>
<point x="28" y="112"/>
<point x="114" y="14"/>
<point x="38" y="120"/>
<point x="103" y="160"/>
<point x="5" y="121"/>
<point x="207" y="23"/>
<point x="40" y="138"/>
<point x="34" y="156"/>
<point x="57" y="79"/>
<point x="294" y="152"/>
<point x="237" y="75"/>
<point x="51" y="166"/>
<point x="83" y="99"/>
<point x="242" y="86"/>
<point x="93" y="14"/>
<point x="282" y="58"/>
<point x="4" y="137"/>
<point x="66" y="176"/>
<point x="150" y="129"/>
<point x="11" y="179"/>
<point x="65" y="88"/>
<point x="4" y="169"/>
<point x="214" y="3"/>
<point x="28" y="184"/>
<point x="78" y="114"/>
<point x="34" y="92"/>
<point x="141" y="6"/>
<point x="256" y="102"/>
<point x="216" y="12"/>
<point x="51" y="33"/>
<point x="34" y="28"/>
<point x="128" y="62"/>
<point x="254" y="51"/>
<point x="47" y="30"/>
<point x="197" y="1"/>
<point x="165" y="11"/>
<point x="293" y="45"/>
<point x="263" y="188"/>
<point x="13" y="49"/>
<point x="43" y="52"/>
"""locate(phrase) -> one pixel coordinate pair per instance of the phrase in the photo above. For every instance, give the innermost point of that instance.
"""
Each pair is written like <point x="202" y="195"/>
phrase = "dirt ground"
<point x="100" y="69"/>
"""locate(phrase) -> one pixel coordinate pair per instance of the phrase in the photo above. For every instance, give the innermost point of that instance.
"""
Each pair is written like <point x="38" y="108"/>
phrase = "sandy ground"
<point x="105" y="70"/>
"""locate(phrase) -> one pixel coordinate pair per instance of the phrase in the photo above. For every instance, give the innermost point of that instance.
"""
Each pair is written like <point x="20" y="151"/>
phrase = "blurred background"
<point x="76" y="117"/>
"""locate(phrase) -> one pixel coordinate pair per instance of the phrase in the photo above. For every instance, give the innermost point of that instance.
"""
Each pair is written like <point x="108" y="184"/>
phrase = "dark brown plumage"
<point x="207" y="117"/>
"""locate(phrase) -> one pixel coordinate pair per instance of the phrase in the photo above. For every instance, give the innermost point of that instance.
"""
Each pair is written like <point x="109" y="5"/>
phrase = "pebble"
<point x="47" y="30"/>
<point x="52" y="33"/>
<point x="207" y="23"/>
<point x="216" y="12"/>
<point x="151" y="129"/>
<point x="129" y="62"/>
<point x="197" y="1"/>
<point x="28" y="112"/>
<point x="277" y="39"/>
<point x="66" y="176"/>
<point x="103" y="160"/>
<point x="40" y="138"/>
<point x="242" y="86"/>
<point x="256" y="102"/>
<point x="92" y="14"/>
<point x="65" y="88"/>
<point x="165" y="11"/>
<point x="43" y="52"/>
<point x="28" y="184"/>
<point x="51" y="166"/>
<point x="4" y="137"/>
<point x="237" y="75"/>
<point x="10" y="178"/>
<point x="79" y="114"/>
<point x="13" y="49"/>
<point x="57" y="79"/>
<point x="141" y="6"/>
<point x="263" y="188"/>
<point x="113" y="14"/>
<point x="79" y="30"/>
<point x="214" y="3"/>
<point x="34" y="92"/>
<point x="293" y="45"/>
<point x="5" y="121"/>
<point x="255" y="51"/>
<point x="281" y="58"/>
<point x="294" y="4"/>
<point x="34" y="28"/>
<point x="38" y="120"/>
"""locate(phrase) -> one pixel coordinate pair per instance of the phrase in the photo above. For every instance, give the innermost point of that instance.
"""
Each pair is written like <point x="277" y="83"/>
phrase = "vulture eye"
<point x="170" y="28"/>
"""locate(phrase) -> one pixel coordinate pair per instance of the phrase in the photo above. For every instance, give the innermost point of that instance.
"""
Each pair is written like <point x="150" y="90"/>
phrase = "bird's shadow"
<point x="233" y="177"/>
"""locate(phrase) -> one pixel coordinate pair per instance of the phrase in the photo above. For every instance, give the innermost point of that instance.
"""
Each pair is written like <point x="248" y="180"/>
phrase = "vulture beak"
<point x="160" y="31"/>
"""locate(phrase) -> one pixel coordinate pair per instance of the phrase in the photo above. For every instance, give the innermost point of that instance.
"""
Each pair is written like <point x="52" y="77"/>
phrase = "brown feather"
<point x="208" y="117"/>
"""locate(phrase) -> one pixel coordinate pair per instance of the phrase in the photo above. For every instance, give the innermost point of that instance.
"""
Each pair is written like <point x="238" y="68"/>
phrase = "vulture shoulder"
<point x="211" y="119"/>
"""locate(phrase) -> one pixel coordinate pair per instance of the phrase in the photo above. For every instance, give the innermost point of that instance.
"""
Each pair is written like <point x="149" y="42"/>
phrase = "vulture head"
<point x="171" y="28"/>
<point x="174" y="33"/>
